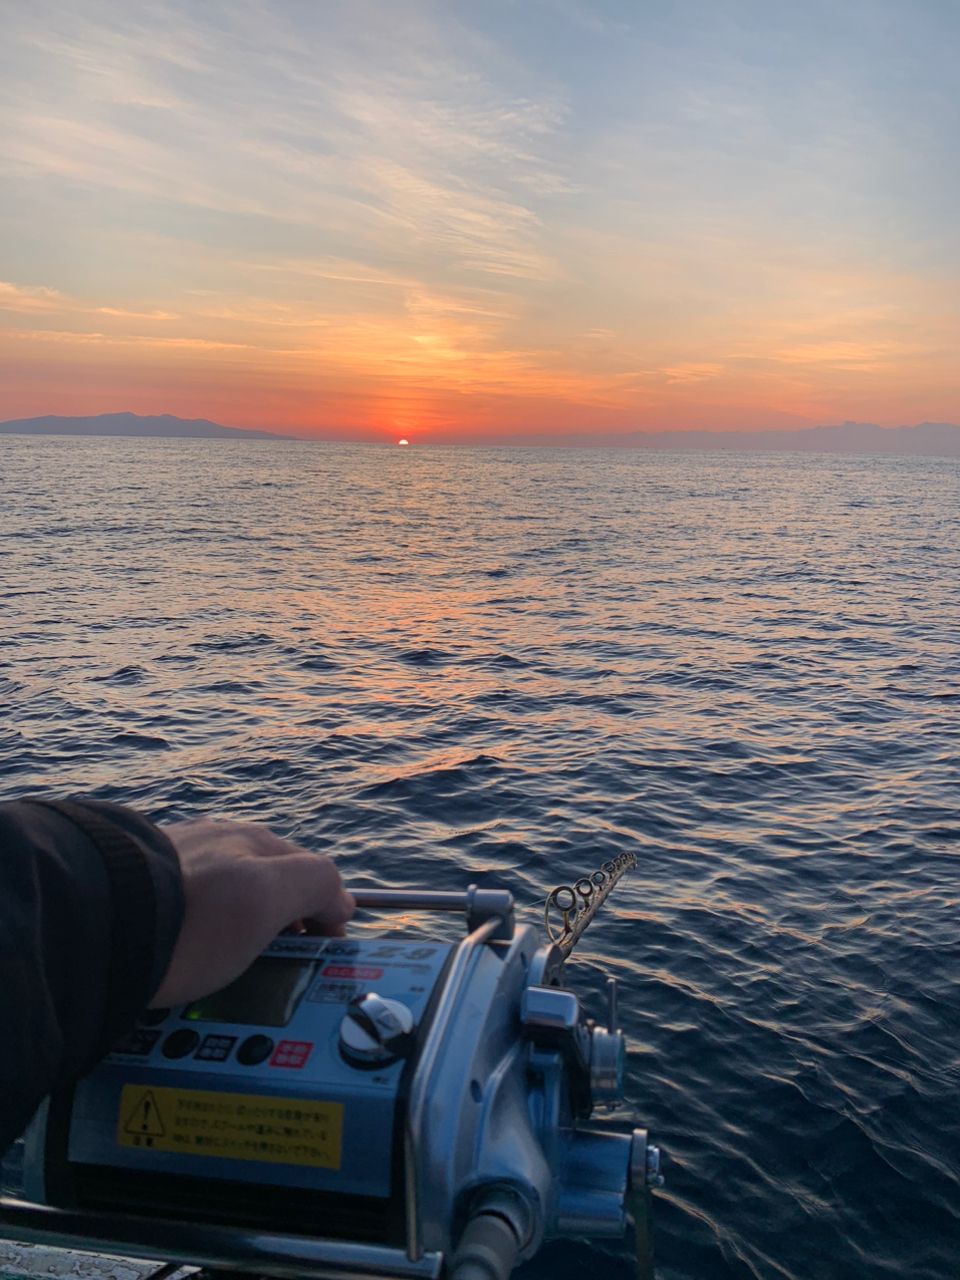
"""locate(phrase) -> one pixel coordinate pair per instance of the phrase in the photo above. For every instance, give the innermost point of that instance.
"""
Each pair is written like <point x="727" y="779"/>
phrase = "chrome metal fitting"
<point x="547" y="1012"/>
<point x="608" y="1056"/>
<point x="644" y="1163"/>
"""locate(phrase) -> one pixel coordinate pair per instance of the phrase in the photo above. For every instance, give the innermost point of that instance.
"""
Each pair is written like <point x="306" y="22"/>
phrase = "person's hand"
<point x="242" y="885"/>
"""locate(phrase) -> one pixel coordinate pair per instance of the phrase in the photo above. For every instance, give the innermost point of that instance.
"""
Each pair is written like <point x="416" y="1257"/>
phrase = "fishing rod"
<point x="579" y="903"/>
<point x="391" y="1106"/>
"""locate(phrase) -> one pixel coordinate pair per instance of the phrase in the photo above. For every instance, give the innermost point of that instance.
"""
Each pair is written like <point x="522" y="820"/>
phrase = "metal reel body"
<point x="490" y="1109"/>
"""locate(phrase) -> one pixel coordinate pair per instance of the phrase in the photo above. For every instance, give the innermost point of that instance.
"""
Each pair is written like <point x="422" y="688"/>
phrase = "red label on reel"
<point x="365" y="972"/>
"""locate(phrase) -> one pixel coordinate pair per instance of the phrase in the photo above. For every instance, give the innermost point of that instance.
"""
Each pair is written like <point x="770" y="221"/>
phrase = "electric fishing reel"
<point x="384" y="1107"/>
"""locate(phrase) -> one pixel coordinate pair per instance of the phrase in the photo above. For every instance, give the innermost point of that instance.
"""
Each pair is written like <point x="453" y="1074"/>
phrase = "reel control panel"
<point x="289" y="1075"/>
<point x="392" y="1106"/>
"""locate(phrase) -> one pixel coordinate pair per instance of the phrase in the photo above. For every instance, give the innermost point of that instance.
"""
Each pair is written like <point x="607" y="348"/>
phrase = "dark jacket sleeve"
<point x="91" y="903"/>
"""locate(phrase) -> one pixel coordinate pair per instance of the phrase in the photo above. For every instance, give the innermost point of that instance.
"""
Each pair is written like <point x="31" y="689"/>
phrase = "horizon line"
<point x="532" y="439"/>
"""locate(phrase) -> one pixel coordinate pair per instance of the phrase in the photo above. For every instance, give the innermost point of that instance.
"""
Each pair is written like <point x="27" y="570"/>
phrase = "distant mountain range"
<point x="132" y="424"/>
<point x="941" y="439"/>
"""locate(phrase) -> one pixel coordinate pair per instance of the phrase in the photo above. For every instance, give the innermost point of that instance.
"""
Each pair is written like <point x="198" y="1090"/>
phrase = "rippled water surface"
<point x="506" y="665"/>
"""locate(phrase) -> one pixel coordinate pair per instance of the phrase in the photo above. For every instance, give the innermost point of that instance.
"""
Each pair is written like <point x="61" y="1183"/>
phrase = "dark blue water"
<point x="504" y="666"/>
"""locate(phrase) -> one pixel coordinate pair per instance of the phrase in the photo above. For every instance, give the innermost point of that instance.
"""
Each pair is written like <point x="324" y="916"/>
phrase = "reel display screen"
<point x="266" y="995"/>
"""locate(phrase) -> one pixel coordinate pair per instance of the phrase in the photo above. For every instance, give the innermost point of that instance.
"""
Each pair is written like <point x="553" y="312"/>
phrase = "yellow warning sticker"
<point x="236" y="1126"/>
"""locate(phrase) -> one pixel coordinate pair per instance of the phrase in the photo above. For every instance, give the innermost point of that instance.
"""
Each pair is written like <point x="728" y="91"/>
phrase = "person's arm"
<point x="91" y="905"/>
<point x="103" y="914"/>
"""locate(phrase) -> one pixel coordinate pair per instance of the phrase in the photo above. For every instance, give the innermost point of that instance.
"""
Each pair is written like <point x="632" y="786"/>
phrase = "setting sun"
<point x="403" y="442"/>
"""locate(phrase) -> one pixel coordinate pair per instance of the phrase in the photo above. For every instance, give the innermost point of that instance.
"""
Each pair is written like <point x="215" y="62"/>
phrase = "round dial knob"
<point x="375" y="1031"/>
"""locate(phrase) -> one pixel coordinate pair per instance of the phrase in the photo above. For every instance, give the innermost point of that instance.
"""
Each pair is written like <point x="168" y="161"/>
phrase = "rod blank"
<point x="579" y="903"/>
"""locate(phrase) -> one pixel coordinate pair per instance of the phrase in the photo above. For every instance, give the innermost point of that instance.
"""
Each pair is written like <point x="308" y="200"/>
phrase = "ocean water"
<point x="506" y="665"/>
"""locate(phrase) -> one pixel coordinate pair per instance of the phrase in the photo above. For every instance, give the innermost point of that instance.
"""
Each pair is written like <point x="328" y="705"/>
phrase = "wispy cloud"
<point x="80" y="337"/>
<point x="635" y="214"/>
<point x="26" y="299"/>
<point x="690" y="373"/>
<point x="29" y="299"/>
<point x="359" y="151"/>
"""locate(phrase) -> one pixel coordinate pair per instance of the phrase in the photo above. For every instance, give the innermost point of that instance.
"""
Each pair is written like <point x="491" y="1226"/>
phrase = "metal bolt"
<point x="611" y="1004"/>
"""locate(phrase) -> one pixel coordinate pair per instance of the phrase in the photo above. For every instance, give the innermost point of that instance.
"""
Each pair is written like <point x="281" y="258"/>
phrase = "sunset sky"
<point x="458" y="220"/>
